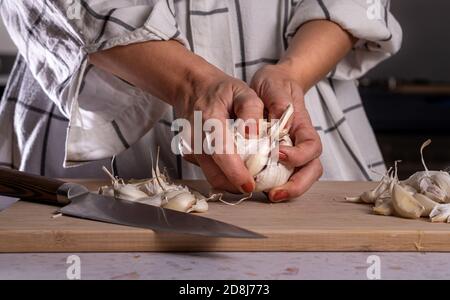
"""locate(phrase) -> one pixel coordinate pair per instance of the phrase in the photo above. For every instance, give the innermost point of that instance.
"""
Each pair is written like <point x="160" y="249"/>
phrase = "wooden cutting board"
<point x="320" y="221"/>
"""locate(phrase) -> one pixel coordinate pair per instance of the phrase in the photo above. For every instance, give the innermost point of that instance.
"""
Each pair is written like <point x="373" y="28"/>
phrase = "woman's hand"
<point x="313" y="52"/>
<point x="169" y="71"/>
<point x="277" y="87"/>
<point x="220" y="97"/>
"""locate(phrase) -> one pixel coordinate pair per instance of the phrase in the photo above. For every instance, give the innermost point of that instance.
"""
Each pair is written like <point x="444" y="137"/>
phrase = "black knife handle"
<point x="28" y="186"/>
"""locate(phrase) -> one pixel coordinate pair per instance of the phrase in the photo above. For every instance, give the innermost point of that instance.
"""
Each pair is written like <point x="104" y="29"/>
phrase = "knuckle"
<point x="278" y="107"/>
<point x="319" y="169"/>
<point x="318" y="148"/>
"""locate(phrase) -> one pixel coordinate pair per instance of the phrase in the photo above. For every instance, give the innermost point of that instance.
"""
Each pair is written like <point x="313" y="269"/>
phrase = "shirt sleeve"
<point x="55" y="38"/>
<point x="370" y="21"/>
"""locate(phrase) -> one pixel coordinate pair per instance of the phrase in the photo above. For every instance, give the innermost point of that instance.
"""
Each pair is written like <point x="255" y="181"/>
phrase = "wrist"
<point x="296" y="71"/>
<point x="198" y="77"/>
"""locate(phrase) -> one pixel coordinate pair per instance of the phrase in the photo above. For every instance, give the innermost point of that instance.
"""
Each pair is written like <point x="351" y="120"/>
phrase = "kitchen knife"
<point x="6" y="202"/>
<point x="81" y="203"/>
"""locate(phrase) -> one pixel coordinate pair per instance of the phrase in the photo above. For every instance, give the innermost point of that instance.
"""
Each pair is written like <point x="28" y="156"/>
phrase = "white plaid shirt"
<point x="60" y="110"/>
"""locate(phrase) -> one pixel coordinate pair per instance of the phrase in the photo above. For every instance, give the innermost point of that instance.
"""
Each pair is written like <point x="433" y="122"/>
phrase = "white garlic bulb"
<point x="267" y="171"/>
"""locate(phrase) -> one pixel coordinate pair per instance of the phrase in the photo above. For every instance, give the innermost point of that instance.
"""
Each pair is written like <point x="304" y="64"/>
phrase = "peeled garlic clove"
<point x="200" y="206"/>
<point x="181" y="202"/>
<point x="426" y="202"/>
<point x="440" y="213"/>
<point x="384" y="208"/>
<point x="404" y="204"/>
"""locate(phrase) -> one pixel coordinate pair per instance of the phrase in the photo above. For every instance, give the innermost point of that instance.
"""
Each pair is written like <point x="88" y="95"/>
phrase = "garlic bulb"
<point x="425" y="193"/>
<point x="267" y="171"/>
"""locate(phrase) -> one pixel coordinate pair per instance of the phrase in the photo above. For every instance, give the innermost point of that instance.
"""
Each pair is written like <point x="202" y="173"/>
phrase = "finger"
<point x="308" y="147"/>
<point x="226" y="157"/>
<point x="235" y="171"/>
<point x="214" y="175"/>
<point x="299" y="183"/>
<point x="276" y="101"/>
<point x="249" y="108"/>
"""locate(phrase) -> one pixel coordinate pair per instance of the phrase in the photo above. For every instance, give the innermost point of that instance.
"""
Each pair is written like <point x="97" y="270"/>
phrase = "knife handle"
<point x="28" y="186"/>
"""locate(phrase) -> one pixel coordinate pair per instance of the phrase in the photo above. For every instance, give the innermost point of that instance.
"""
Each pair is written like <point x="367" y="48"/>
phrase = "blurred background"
<point x="406" y="98"/>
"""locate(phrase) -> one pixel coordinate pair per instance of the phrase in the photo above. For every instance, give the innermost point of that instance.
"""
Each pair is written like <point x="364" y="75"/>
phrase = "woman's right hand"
<point x="169" y="71"/>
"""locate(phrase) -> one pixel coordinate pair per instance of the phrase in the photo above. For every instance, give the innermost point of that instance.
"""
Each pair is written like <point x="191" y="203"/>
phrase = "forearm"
<point x="165" y="69"/>
<point x="315" y="50"/>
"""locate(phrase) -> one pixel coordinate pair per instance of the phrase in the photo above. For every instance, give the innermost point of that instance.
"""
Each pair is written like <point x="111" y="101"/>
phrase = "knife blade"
<point x="79" y="202"/>
<point x="6" y="202"/>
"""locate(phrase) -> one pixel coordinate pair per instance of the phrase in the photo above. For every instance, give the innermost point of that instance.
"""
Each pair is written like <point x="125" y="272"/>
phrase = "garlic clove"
<point x="129" y="192"/>
<point x="181" y="202"/>
<point x="404" y="204"/>
<point x="106" y="191"/>
<point x="440" y="213"/>
<point x="384" y="207"/>
<point x="426" y="202"/>
<point x="200" y="206"/>
<point x="442" y="180"/>
<point x="275" y="174"/>
<point x="255" y="163"/>
<point x="411" y="190"/>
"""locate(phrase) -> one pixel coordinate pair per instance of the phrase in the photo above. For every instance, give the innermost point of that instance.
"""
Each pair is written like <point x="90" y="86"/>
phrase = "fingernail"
<point x="282" y="156"/>
<point x="248" y="187"/>
<point x="280" y="195"/>
<point x="250" y="132"/>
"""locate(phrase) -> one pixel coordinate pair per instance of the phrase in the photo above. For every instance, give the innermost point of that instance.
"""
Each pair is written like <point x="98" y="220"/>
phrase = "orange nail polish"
<point x="280" y="195"/>
<point x="248" y="187"/>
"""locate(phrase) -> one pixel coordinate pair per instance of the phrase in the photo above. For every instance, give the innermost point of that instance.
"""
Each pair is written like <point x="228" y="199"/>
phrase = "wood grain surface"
<point x="320" y="221"/>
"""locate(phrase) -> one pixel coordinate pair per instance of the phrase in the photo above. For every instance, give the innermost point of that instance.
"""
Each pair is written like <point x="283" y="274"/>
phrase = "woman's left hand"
<point x="276" y="86"/>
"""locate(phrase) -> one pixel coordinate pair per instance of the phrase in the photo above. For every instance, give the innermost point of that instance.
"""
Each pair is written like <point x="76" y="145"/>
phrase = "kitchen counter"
<point x="232" y="265"/>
